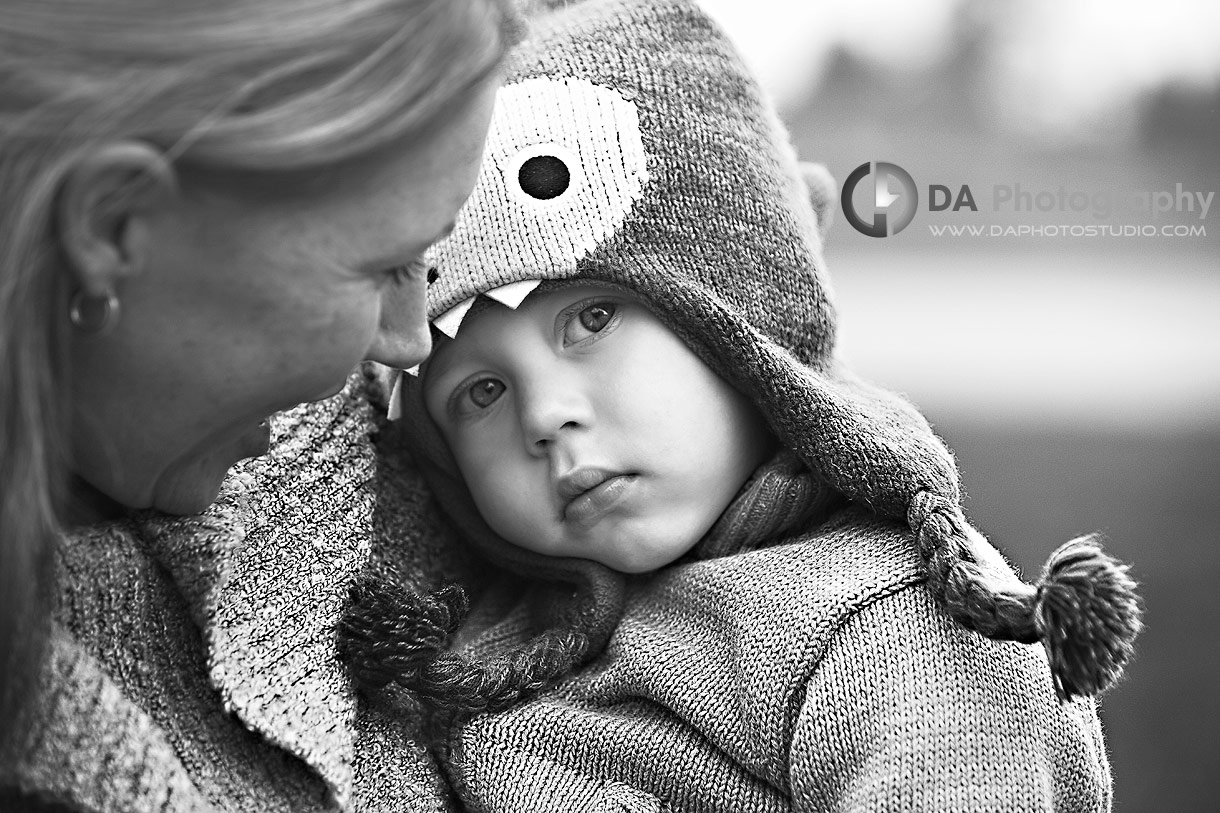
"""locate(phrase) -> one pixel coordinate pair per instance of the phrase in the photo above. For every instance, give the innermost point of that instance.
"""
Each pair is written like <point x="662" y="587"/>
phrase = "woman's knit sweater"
<point x="192" y="661"/>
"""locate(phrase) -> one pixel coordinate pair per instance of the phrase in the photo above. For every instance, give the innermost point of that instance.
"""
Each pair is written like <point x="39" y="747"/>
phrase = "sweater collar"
<point x="781" y="497"/>
<point x="265" y="571"/>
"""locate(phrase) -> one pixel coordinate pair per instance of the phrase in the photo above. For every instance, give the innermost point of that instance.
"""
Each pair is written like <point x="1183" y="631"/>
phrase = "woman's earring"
<point x="94" y="314"/>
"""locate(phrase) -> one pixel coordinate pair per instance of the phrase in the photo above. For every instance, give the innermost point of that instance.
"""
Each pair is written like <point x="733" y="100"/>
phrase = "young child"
<point x="746" y="582"/>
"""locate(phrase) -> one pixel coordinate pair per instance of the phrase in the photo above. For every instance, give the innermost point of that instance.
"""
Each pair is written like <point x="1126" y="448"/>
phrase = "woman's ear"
<point x="104" y="194"/>
<point x="822" y="193"/>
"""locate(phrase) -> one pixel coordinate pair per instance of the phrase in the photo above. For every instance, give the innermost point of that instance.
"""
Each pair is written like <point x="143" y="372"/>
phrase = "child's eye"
<point x="469" y="399"/>
<point x="484" y="392"/>
<point x="589" y="320"/>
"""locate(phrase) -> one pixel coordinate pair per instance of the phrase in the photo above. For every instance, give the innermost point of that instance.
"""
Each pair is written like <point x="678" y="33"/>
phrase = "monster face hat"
<point x="631" y="147"/>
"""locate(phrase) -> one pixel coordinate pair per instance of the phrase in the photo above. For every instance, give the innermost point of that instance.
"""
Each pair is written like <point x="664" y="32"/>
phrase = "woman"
<point x="209" y="212"/>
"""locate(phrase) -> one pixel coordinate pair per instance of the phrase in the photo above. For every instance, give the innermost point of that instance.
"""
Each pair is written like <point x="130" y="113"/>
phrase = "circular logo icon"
<point x="890" y="207"/>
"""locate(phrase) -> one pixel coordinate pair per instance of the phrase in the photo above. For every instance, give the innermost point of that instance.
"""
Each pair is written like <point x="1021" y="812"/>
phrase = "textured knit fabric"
<point x="818" y="667"/>
<point x="838" y="687"/>
<point x="193" y="659"/>
<point x="711" y="224"/>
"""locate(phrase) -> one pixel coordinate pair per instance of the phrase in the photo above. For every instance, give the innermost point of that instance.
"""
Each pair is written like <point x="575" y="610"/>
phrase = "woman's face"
<point x="253" y="297"/>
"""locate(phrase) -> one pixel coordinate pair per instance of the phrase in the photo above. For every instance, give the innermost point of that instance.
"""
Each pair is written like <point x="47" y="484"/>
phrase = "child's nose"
<point x="548" y="411"/>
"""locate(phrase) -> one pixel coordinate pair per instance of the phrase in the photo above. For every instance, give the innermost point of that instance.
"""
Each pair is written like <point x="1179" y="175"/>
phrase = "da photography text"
<point x="880" y="199"/>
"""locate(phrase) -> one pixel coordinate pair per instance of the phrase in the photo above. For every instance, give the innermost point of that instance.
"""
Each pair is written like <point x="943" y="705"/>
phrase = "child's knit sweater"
<point x="879" y="659"/>
<point x="811" y="672"/>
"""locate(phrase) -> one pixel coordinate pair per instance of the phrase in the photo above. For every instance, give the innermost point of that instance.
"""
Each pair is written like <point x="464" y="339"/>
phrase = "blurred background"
<point x="1077" y="379"/>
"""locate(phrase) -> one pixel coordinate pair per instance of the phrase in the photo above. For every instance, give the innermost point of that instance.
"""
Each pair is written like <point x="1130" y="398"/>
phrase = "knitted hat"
<point x="630" y="146"/>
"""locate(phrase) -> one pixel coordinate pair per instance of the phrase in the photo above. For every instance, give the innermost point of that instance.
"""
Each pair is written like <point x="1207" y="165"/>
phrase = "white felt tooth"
<point x="414" y="371"/>
<point x="449" y="321"/>
<point x="514" y="293"/>
<point x="394" y="409"/>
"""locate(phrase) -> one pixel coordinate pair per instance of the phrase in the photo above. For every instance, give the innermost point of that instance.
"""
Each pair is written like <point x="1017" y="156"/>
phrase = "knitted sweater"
<point x="809" y="671"/>
<point x="192" y="661"/>
<point x="860" y="662"/>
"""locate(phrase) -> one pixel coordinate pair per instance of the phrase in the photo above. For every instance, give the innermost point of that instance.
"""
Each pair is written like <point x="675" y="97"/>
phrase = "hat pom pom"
<point x="389" y="634"/>
<point x="1088" y="614"/>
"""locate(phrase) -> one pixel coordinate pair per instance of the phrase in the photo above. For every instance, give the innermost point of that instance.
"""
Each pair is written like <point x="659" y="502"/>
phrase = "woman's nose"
<point x="403" y="338"/>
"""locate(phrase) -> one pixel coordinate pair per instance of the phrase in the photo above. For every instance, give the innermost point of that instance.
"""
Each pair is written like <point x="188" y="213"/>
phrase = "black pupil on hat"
<point x="544" y="177"/>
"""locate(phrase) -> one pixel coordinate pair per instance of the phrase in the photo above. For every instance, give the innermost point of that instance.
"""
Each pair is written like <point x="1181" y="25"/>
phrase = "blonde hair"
<point x="227" y="84"/>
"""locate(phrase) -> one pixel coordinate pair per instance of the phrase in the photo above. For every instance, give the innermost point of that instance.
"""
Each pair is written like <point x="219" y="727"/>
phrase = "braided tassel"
<point x="392" y="635"/>
<point x="1087" y="614"/>
<point x="1084" y="609"/>
<point x="389" y="633"/>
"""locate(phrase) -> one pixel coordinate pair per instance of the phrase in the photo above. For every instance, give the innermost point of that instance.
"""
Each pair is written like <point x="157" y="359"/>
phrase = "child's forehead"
<point x="484" y="325"/>
<point x="485" y="328"/>
<point x="548" y="299"/>
<point x="448" y="352"/>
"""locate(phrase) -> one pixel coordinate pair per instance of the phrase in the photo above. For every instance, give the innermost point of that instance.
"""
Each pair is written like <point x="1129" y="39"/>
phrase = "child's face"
<point x="584" y="427"/>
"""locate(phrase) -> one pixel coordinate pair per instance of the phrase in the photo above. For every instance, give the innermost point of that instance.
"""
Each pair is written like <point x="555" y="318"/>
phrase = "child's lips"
<point x="589" y="494"/>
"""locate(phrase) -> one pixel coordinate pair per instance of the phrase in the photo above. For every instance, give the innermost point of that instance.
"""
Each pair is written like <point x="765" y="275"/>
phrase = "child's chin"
<point x="645" y="563"/>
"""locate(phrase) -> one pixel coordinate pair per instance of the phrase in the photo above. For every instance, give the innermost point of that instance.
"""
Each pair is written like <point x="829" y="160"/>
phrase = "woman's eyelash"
<point x="399" y="274"/>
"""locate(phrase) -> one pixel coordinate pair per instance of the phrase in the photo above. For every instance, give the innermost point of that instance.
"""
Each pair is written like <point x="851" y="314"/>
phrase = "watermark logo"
<point x="893" y="201"/>
<point x="888" y="205"/>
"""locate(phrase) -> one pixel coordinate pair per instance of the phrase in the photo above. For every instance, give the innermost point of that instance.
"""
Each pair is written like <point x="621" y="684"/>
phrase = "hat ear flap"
<point x="823" y="193"/>
<point x="393" y="634"/>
